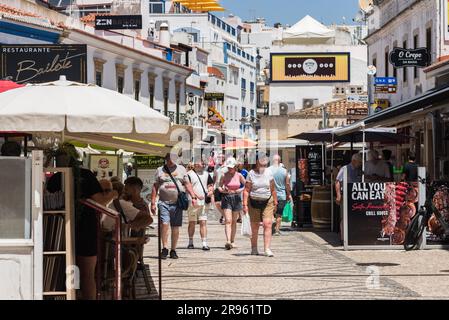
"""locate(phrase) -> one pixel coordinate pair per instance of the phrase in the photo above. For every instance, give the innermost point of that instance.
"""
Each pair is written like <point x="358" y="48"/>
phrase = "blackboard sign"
<point x="148" y="162"/>
<point x="118" y="22"/>
<point x="400" y="57"/>
<point x="214" y="96"/>
<point x="379" y="213"/>
<point x="310" y="165"/>
<point x="43" y="63"/>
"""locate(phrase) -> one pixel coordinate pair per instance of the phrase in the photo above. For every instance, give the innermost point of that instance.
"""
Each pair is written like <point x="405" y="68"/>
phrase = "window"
<point x="243" y="84"/>
<point x="415" y="45"/>
<point x="375" y="62"/>
<point x="156" y="6"/>
<point x="239" y="52"/>
<point x="151" y="91"/>
<point x="405" y="75"/>
<point x="137" y="90"/>
<point x="98" y="78"/>
<point x="251" y="86"/>
<point x="120" y="84"/>
<point x="429" y="41"/>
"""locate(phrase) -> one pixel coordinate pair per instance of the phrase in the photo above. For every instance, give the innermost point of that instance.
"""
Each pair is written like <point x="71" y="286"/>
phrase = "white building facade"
<point x="406" y="24"/>
<point x="227" y="56"/>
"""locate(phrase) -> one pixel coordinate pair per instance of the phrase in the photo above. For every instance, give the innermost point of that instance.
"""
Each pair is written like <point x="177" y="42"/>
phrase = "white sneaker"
<point x="254" y="252"/>
<point x="269" y="253"/>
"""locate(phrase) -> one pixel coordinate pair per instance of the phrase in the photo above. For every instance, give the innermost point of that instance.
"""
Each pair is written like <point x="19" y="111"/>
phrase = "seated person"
<point x="128" y="212"/>
<point x="132" y="193"/>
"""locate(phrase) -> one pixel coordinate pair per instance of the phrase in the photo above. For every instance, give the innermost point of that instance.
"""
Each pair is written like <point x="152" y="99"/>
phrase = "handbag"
<point x="287" y="214"/>
<point x="259" y="204"/>
<point x="183" y="201"/>
<point x="207" y="199"/>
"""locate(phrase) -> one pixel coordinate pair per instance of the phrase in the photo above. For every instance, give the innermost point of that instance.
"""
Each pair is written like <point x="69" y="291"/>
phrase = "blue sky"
<point x="291" y="11"/>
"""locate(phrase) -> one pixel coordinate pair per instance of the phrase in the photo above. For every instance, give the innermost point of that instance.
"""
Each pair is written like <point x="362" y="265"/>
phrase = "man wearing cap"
<point x="164" y="186"/>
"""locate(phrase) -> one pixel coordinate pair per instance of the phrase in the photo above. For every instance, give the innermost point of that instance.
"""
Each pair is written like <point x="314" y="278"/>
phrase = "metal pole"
<point x="159" y="255"/>
<point x="363" y="154"/>
<point x="332" y="185"/>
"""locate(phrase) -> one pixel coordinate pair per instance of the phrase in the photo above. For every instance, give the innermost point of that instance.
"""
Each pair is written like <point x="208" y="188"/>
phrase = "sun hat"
<point x="231" y="163"/>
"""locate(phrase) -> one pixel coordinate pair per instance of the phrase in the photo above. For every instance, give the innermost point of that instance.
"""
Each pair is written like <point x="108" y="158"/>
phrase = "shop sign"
<point x="379" y="213"/>
<point x="380" y="104"/>
<point x="357" y="112"/>
<point x="214" y="96"/>
<point x="358" y="98"/>
<point x="36" y="63"/>
<point x="104" y="166"/>
<point x="385" y="89"/>
<point x="400" y="57"/>
<point x="214" y="118"/>
<point x="310" y="67"/>
<point x="148" y="162"/>
<point x="385" y="81"/>
<point x="118" y="22"/>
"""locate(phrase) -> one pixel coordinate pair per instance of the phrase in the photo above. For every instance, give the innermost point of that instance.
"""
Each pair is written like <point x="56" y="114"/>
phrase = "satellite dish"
<point x="365" y="5"/>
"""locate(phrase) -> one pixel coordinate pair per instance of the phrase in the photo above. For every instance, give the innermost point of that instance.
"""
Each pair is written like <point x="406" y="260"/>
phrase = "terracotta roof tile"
<point x="27" y="17"/>
<point x="215" y="72"/>
<point x="335" y="108"/>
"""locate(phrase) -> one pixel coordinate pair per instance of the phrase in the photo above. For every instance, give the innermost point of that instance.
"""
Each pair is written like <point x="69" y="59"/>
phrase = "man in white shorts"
<point x="202" y="185"/>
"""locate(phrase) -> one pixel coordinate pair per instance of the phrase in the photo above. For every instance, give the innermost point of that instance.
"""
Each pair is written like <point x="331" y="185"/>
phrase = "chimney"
<point x="164" y="35"/>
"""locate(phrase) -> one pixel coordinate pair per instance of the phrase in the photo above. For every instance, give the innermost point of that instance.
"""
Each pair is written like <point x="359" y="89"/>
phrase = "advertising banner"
<point x="104" y="166"/>
<point x="310" y="67"/>
<point x="379" y="213"/>
<point x="43" y="63"/>
<point x="310" y="162"/>
<point x="117" y="22"/>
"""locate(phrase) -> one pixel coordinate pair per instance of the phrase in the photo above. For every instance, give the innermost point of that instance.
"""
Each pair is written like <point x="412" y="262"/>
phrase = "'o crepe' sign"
<point x="400" y="57"/>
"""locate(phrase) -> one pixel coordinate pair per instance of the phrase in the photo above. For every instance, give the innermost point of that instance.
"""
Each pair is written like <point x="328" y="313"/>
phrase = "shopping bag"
<point x="246" y="226"/>
<point x="287" y="214"/>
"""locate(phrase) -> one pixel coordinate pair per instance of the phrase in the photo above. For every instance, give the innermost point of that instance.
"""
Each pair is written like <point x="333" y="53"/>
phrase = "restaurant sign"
<point x="214" y="96"/>
<point x="43" y="63"/>
<point x="118" y="22"/>
<point x="148" y="162"/>
<point x="401" y="58"/>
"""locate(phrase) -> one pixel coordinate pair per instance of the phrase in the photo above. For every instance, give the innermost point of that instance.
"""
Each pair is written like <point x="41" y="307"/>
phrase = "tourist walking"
<point x="260" y="202"/>
<point x="231" y="188"/>
<point x="219" y="171"/>
<point x="283" y="190"/>
<point x="202" y="185"/>
<point x="170" y="183"/>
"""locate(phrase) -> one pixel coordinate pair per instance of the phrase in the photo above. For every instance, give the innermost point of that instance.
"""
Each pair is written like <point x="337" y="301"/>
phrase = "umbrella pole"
<point x="332" y="184"/>
<point x="363" y="154"/>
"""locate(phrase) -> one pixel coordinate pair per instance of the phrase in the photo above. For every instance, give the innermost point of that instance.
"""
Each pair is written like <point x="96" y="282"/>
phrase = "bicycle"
<point x="419" y="222"/>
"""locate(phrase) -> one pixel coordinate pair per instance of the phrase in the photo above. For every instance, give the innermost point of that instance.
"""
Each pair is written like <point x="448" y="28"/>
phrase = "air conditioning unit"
<point x="309" y="103"/>
<point x="282" y="108"/>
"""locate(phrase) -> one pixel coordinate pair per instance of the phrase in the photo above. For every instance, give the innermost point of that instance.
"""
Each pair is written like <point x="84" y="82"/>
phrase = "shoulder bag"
<point x="207" y="199"/>
<point x="183" y="200"/>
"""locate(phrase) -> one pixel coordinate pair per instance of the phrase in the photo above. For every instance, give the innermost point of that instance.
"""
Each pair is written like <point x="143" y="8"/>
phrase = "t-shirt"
<point x="219" y="172"/>
<point x="196" y="185"/>
<point x="280" y="178"/>
<point x="129" y="210"/>
<point x="167" y="189"/>
<point x="354" y="174"/>
<point x="377" y="168"/>
<point x="260" y="184"/>
<point x="411" y="171"/>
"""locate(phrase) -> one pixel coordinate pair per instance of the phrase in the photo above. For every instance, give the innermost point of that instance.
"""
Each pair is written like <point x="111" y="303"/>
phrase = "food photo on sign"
<point x="379" y="213"/>
<point x="440" y="199"/>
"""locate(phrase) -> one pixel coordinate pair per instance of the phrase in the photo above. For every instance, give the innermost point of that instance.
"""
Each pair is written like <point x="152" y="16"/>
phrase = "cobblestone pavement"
<point x="306" y="266"/>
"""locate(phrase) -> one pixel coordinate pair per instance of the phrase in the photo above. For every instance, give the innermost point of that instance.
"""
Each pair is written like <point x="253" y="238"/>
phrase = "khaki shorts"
<point x="256" y="215"/>
<point x="197" y="213"/>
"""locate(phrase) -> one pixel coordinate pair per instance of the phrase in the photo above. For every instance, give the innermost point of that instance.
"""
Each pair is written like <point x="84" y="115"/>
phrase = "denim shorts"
<point x="231" y="202"/>
<point x="170" y="213"/>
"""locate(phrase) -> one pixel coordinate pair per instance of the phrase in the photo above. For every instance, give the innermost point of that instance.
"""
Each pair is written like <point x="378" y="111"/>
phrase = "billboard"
<point x="310" y="67"/>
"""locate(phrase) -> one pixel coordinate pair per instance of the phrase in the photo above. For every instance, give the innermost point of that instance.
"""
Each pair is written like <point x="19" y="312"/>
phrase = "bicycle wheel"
<point x="414" y="232"/>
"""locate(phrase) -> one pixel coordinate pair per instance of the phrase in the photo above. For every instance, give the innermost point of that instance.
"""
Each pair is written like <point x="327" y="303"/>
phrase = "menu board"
<point x="379" y="213"/>
<point x="310" y="163"/>
<point x="104" y="166"/>
<point x="146" y="171"/>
